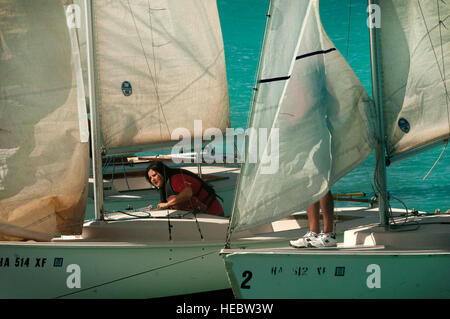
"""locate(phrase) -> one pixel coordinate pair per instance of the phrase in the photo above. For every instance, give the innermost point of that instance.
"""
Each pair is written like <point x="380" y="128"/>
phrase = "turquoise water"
<point x="243" y="24"/>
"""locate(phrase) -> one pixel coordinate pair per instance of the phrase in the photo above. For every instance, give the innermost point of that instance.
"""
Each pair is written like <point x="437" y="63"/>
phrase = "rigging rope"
<point x="443" y="75"/>
<point x="169" y="225"/>
<point x="148" y="65"/>
<point x="348" y="30"/>
<point x="137" y="274"/>
<point x="160" y="109"/>
<point x="435" y="163"/>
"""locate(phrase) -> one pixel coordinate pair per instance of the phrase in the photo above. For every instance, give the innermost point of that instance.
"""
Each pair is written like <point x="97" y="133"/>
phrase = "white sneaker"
<point x="305" y="241"/>
<point x="324" y="240"/>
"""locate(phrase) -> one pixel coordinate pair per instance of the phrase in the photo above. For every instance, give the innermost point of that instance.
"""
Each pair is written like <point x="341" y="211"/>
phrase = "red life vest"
<point x="202" y="194"/>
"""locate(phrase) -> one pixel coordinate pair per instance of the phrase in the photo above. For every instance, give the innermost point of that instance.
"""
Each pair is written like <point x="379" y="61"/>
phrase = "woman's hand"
<point x="182" y="197"/>
<point x="163" y="205"/>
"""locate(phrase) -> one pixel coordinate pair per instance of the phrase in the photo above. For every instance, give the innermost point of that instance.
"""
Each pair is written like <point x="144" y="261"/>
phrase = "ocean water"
<point x="243" y="23"/>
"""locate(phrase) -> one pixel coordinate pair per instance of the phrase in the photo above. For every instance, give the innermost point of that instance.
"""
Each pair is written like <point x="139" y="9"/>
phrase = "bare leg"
<point x="326" y="203"/>
<point x="327" y="206"/>
<point x="314" y="217"/>
<point x="313" y="211"/>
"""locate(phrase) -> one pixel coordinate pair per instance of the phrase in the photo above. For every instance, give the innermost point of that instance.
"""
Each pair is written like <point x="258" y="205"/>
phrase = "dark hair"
<point x="157" y="167"/>
<point x="165" y="172"/>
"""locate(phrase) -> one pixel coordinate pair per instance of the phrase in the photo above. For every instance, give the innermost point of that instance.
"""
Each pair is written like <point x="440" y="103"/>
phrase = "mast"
<point x="377" y="93"/>
<point x="95" y="121"/>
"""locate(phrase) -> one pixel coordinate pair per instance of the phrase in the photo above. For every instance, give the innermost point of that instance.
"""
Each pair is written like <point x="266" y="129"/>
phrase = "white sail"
<point x="415" y="46"/>
<point x="160" y="65"/>
<point x="44" y="155"/>
<point x="310" y="96"/>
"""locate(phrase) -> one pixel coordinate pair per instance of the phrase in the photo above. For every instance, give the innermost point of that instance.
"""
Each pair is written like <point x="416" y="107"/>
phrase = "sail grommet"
<point x="403" y="124"/>
<point x="127" y="89"/>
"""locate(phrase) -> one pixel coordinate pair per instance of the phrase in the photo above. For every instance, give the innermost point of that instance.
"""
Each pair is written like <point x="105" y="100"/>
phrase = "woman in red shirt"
<point x="183" y="190"/>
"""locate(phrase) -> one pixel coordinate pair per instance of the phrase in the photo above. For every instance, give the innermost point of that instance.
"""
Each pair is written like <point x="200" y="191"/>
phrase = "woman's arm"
<point x="183" y="196"/>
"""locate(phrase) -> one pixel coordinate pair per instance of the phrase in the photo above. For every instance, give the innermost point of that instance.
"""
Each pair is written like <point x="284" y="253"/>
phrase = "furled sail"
<point x="314" y="110"/>
<point x="160" y="65"/>
<point x="415" y="47"/>
<point x="44" y="155"/>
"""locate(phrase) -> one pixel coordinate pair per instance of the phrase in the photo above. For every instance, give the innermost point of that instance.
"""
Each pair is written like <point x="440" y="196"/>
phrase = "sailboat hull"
<point x="372" y="262"/>
<point x="339" y="275"/>
<point x="128" y="258"/>
<point x="114" y="271"/>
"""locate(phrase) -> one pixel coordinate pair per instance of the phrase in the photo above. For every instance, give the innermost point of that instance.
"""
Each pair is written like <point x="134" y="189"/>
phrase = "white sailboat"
<point x="136" y="101"/>
<point x="309" y="92"/>
<point x="45" y="149"/>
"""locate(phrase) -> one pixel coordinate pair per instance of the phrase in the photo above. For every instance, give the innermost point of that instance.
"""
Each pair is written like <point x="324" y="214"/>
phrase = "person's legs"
<point x="327" y="238"/>
<point x="314" y="217"/>
<point x="316" y="238"/>
<point x="313" y="212"/>
<point x="327" y="206"/>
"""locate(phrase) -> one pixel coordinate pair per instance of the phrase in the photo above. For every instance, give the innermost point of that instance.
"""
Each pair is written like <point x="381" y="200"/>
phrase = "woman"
<point x="183" y="190"/>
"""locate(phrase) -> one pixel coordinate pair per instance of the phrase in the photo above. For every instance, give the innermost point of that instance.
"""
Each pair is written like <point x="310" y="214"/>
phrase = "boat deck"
<point x="422" y="234"/>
